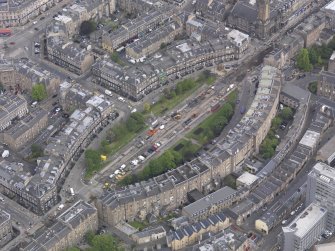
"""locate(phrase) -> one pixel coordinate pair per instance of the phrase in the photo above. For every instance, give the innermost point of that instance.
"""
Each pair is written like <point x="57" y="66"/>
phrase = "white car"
<point x="134" y="162"/>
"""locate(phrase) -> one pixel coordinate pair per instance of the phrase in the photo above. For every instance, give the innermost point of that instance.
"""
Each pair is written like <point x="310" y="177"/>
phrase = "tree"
<point x="39" y="92"/>
<point x="36" y="151"/>
<point x="287" y="113"/>
<point x="104" y="242"/>
<point x="89" y="237"/>
<point x="303" y="62"/>
<point x="105" y="147"/>
<point x="93" y="161"/>
<point x="146" y="107"/>
<point x="276" y="122"/>
<point x="87" y="27"/>
<point x="72" y="249"/>
<point x="313" y="55"/>
<point x="313" y="87"/>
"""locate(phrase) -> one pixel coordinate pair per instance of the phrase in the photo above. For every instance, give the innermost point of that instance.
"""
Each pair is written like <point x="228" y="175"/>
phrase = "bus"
<point x="5" y="32"/>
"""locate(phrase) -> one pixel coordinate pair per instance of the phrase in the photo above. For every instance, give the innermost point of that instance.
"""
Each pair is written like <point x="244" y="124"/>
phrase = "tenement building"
<point x="36" y="188"/>
<point x="18" y="76"/>
<point x="26" y="129"/>
<point x="263" y="18"/>
<point x="11" y="107"/>
<point x="14" y="13"/>
<point x="321" y="190"/>
<point x="169" y="191"/>
<point x="69" y="55"/>
<point x="69" y="228"/>
<point x="138" y="27"/>
<point x="175" y="62"/>
<point x="6" y="229"/>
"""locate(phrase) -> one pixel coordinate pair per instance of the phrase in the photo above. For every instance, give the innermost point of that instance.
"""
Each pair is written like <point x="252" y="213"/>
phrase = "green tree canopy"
<point x="102" y="242"/>
<point x="303" y="62"/>
<point x="146" y="107"/>
<point x="93" y="161"/>
<point x="286" y="113"/>
<point x="39" y="92"/>
<point x="36" y="151"/>
<point x="276" y="121"/>
<point x="87" y="27"/>
<point x="72" y="249"/>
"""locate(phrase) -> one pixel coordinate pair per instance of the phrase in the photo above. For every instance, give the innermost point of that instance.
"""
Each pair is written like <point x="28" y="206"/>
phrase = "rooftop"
<point x="306" y="220"/>
<point x="310" y="139"/>
<point x="202" y="205"/>
<point x="326" y="152"/>
<point x="330" y="6"/>
<point x="247" y="178"/>
<point x="324" y="172"/>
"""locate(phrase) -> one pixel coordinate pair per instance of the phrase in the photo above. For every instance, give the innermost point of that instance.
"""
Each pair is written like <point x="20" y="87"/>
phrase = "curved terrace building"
<point x="169" y="190"/>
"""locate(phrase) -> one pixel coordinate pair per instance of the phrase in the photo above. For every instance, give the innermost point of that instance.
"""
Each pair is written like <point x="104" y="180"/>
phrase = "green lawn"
<point x="212" y="126"/>
<point x="313" y="87"/>
<point x="230" y="181"/>
<point x="165" y="104"/>
<point x="138" y="224"/>
<point x="117" y="145"/>
<point x="183" y="151"/>
<point x="117" y="137"/>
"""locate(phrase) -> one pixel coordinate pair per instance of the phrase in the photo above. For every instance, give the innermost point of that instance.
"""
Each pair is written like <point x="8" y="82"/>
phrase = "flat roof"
<point x="327" y="151"/>
<point x="330" y="6"/>
<point x="310" y="139"/>
<point x="306" y="220"/>
<point x="247" y="178"/>
<point x="326" y="172"/>
<point x="325" y="247"/>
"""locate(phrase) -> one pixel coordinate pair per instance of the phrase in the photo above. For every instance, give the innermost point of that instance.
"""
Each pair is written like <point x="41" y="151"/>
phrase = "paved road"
<point x="24" y="36"/>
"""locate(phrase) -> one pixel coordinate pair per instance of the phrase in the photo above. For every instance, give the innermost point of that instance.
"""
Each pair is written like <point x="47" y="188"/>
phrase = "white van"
<point x="72" y="191"/>
<point x="123" y="167"/>
<point x="141" y="158"/>
<point x="60" y="207"/>
<point x="121" y="99"/>
<point x="34" y="104"/>
<point x="108" y="92"/>
<point x="111" y="176"/>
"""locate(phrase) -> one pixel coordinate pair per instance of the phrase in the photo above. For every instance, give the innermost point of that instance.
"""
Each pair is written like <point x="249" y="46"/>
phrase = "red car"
<point x="12" y="43"/>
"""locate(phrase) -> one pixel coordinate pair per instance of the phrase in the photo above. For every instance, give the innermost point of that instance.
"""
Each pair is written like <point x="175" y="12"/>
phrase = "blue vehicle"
<point x="242" y="109"/>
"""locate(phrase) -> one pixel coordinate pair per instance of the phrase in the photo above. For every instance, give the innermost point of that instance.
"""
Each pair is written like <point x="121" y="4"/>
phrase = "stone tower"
<point x="263" y="7"/>
<point x="263" y="20"/>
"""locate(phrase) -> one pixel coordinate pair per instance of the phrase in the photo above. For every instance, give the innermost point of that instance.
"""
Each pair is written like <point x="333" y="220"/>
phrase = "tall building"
<point x="263" y="10"/>
<point x="321" y="190"/>
<point x="305" y="229"/>
<point x="6" y="230"/>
